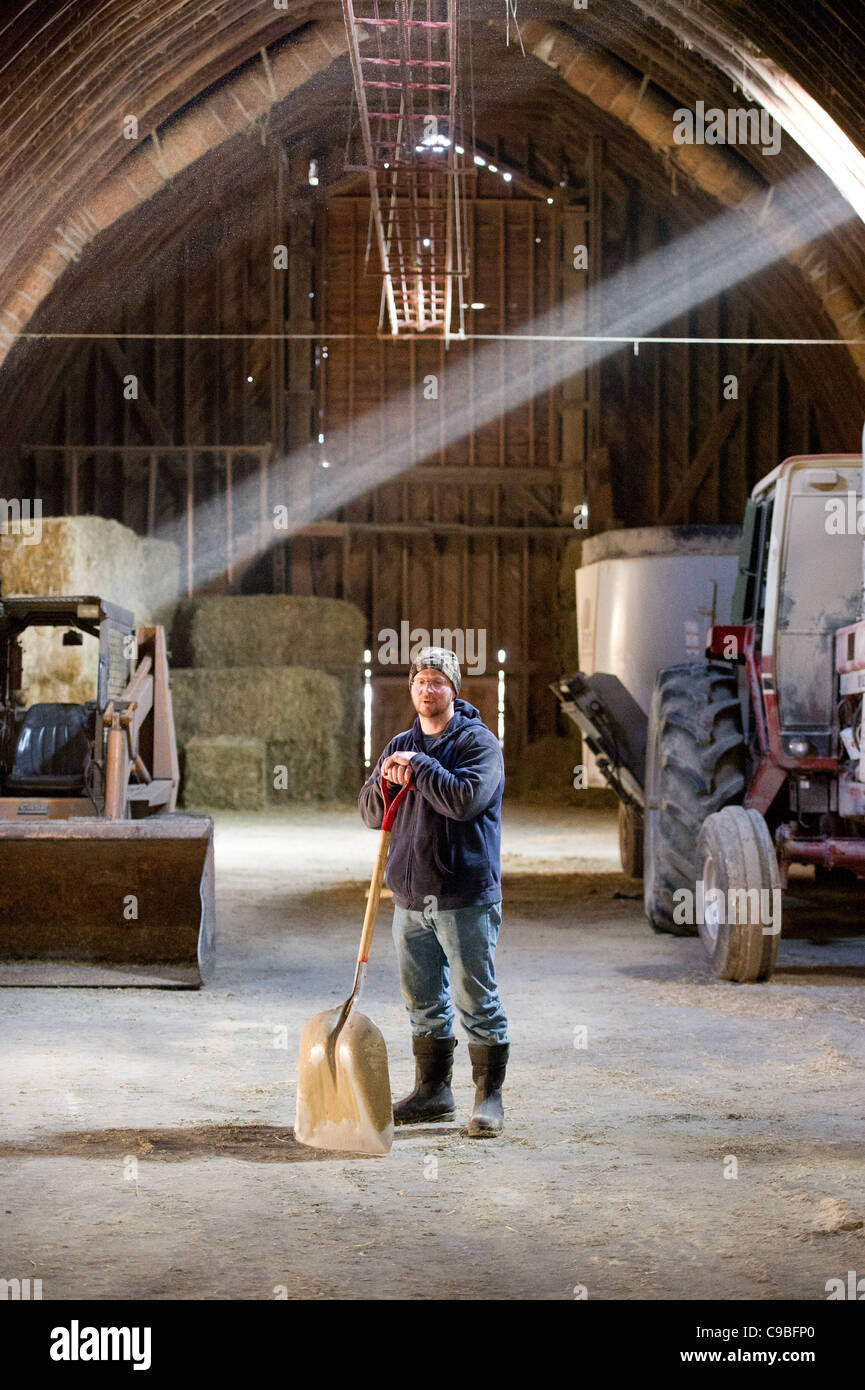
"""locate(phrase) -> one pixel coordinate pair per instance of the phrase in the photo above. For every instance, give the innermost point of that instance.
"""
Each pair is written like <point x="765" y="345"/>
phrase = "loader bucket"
<point x="88" y="901"/>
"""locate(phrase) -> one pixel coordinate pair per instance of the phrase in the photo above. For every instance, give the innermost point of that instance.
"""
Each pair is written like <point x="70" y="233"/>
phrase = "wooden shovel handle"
<point x="390" y="810"/>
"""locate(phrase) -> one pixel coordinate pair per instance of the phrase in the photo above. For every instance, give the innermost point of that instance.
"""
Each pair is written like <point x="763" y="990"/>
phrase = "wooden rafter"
<point x="716" y="437"/>
<point x="146" y="409"/>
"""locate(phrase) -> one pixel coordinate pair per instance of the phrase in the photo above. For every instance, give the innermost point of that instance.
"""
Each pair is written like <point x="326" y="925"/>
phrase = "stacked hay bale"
<point x="546" y="770"/>
<point x="225" y="773"/>
<point x="84" y="555"/>
<point x="268" y="681"/>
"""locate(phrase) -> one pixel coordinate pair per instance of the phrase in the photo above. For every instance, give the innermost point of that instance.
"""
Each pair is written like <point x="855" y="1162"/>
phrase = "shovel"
<point x="343" y="1087"/>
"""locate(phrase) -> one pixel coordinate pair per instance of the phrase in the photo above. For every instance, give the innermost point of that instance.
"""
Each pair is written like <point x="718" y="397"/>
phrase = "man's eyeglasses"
<point x="429" y="685"/>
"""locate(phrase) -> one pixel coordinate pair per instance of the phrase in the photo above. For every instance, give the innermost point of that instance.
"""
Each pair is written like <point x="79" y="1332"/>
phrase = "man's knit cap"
<point x="437" y="659"/>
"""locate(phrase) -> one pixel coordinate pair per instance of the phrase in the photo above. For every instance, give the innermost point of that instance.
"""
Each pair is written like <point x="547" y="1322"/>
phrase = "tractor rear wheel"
<point x="631" y="840"/>
<point x="742" y="895"/>
<point x="695" y="766"/>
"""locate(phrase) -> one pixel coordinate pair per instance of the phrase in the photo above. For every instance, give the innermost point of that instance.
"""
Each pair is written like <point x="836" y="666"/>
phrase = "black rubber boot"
<point x="432" y="1097"/>
<point x="489" y="1064"/>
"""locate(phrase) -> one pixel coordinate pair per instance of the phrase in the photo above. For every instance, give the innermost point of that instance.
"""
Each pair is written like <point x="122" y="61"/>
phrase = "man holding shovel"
<point x="444" y="869"/>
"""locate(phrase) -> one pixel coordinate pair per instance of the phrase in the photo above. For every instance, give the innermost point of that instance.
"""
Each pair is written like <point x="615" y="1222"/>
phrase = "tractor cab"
<point x="51" y="751"/>
<point x="800" y="580"/>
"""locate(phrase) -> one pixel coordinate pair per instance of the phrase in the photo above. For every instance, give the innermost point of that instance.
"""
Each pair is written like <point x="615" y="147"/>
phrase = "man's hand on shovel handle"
<point x="397" y="768"/>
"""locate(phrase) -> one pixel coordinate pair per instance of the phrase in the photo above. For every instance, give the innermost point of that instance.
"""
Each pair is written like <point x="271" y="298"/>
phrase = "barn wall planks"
<point x="516" y="448"/>
<point x="421" y="572"/>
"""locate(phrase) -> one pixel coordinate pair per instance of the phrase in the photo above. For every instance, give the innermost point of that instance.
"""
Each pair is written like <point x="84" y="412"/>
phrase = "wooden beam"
<point x="595" y="177"/>
<point x="338" y="529"/>
<point x="146" y="409"/>
<point x="486" y="477"/>
<point x="716" y="437"/>
<point x="537" y="505"/>
<point x="511" y="667"/>
<point x="818" y="389"/>
<point x="145" y="450"/>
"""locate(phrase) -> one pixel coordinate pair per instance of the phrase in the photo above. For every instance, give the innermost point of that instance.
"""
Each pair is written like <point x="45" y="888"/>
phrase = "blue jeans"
<point x="429" y="947"/>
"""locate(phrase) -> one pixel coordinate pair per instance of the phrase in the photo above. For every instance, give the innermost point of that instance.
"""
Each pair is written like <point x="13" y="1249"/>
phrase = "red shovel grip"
<point x="391" y="807"/>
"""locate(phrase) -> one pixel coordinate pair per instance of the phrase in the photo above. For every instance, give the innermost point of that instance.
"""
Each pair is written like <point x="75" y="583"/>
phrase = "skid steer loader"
<point x="101" y="881"/>
<point x="752" y="758"/>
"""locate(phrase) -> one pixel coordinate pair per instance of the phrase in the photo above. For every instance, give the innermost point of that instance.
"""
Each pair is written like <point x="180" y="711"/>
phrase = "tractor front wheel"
<point x="741" y="914"/>
<point x="695" y="765"/>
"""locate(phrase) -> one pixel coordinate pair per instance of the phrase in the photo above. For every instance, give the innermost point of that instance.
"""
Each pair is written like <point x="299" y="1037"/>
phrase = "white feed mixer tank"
<point x="646" y="598"/>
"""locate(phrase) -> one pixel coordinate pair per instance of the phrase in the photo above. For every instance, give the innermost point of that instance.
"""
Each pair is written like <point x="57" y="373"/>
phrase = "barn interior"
<point x="241" y="402"/>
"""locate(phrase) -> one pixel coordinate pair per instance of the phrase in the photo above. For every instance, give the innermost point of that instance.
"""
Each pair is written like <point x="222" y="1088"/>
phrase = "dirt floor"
<point x="147" y="1148"/>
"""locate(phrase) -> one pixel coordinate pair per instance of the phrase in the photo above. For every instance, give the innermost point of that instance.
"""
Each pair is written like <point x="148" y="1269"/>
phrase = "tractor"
<point x="751" y="758"/>
<point x="102" y="882"/>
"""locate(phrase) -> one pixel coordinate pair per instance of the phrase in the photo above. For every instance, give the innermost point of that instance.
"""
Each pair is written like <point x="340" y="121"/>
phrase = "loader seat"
<point x="52" y="750"/>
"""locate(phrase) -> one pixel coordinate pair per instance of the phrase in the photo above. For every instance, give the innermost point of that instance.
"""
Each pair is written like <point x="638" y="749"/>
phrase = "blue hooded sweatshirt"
<point x="446" y="838"/>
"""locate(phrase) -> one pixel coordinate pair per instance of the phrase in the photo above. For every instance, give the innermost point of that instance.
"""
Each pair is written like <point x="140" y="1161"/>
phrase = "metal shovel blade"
<point x="343" y="1086"/>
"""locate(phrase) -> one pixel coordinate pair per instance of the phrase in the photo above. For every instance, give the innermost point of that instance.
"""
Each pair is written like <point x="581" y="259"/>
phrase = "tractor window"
<point x="743" y="596"/>
<point x="820" y="591"/>
<point x="54" y="672"/>
<point x="753" y="558"/>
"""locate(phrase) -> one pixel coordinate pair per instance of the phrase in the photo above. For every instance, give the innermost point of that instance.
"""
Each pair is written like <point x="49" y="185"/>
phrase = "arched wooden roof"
<point x="194" y="76"/>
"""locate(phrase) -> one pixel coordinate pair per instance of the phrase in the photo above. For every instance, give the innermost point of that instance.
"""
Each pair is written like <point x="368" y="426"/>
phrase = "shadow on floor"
<point x="252" y="1143"/>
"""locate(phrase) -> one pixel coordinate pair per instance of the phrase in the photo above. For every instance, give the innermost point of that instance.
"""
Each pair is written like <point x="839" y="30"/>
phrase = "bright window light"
<point x="813" y="129"/>
<point x="799" y="114"/>
<point x="367" y="713"/>
<point x="501" y="709"/>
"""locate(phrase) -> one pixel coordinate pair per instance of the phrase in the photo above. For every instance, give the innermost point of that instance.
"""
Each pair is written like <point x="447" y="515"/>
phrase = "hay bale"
<point x="282" y="630"/>
<point x="158" y="582"/>
<point x="269" y="630"/>
<point x="287" y="703"/>
<point x="349" y="740"/>
<point x="91" y="555"/>
<point x="55" y="672"/>
<point x="85" y="555"/>
<point x="224" y="773"/>
<point x="564" y="619"/>
<point x="296" y="713"/>
<point x="545" y="770"/>
<point x="304" y="769"/>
